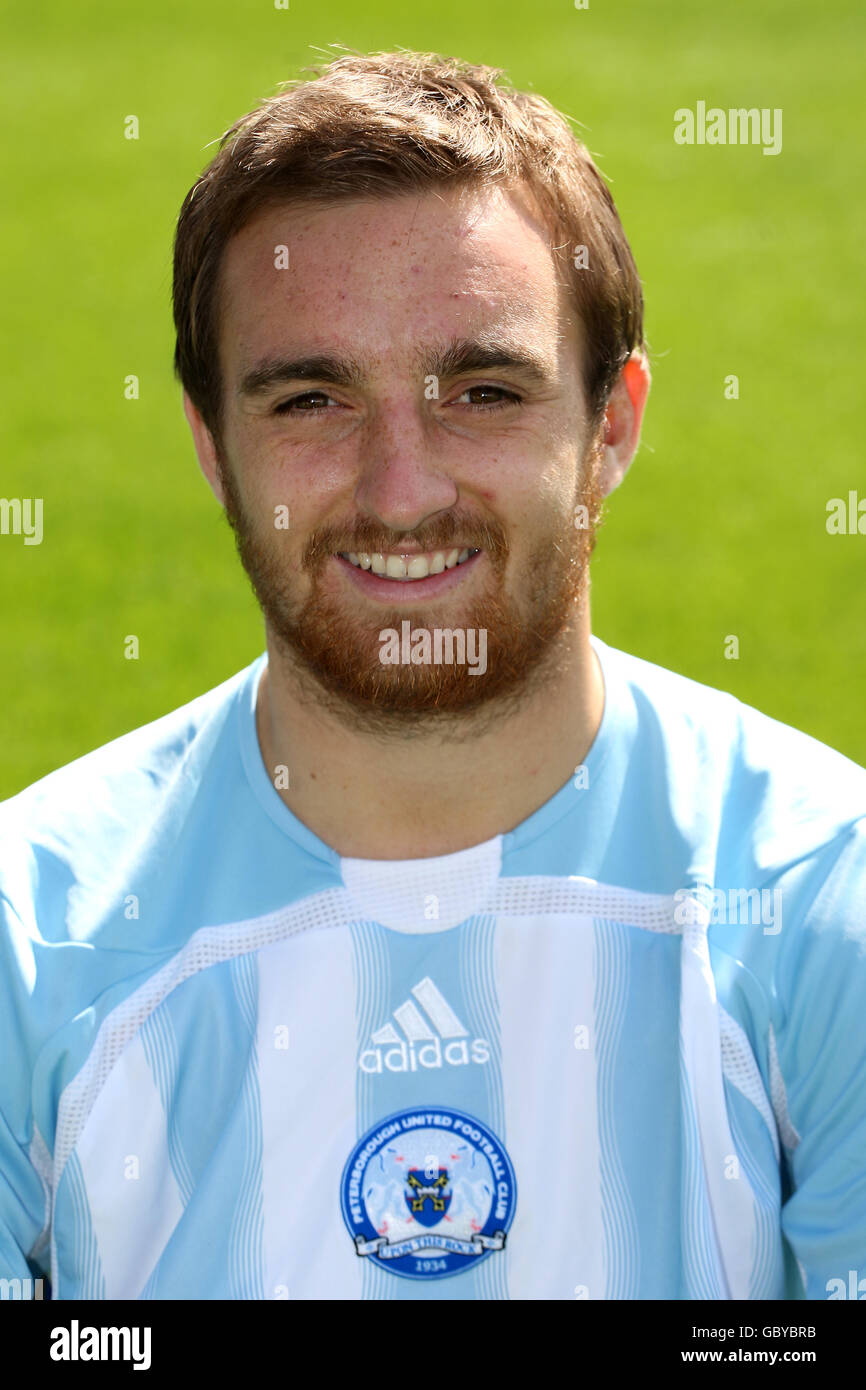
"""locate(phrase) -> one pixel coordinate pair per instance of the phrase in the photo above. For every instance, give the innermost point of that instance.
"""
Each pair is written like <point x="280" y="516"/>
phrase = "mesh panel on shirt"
<point x="790" y="1137"/>
<point x="741" y="1069"/>
<point x="583" y="897"/>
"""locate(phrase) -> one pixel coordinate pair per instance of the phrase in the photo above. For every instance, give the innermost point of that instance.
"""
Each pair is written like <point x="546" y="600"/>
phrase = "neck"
<point x="396" y="797"/>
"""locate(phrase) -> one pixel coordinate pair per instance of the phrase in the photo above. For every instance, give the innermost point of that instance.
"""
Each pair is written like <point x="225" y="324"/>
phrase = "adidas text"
<point x="407" y="1057"/>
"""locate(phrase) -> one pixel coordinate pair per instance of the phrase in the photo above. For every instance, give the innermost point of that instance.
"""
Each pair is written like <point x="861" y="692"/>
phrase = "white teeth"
<point x="416" y="567"/>
<point x="395" y="567"/>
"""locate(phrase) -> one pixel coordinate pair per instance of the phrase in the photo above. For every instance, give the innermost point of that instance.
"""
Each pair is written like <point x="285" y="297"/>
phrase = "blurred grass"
<point x="750" y="266"/>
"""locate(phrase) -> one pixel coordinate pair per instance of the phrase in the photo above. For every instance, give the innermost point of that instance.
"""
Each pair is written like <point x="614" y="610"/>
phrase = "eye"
<point x="307" y="401"/>
<point x="500" y="397"/>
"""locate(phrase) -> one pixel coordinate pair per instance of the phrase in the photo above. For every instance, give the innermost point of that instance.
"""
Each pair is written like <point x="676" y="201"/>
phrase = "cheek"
<point x="540" y="499"/>
<point x="303" y="483"/>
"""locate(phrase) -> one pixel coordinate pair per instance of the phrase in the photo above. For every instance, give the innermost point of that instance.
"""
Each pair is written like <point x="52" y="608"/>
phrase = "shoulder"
<point x="764" y="792"/>
<point x="79" y="822"/>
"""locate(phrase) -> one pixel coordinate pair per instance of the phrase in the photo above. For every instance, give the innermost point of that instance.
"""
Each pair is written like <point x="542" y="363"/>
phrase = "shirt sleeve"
<point x="818" y="1072"/>
<point x="22" y="1204"/>
<point x="23" y="1198"/>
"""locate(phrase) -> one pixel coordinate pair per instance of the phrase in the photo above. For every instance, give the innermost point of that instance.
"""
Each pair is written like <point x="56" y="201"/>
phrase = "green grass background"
<point x="751" y="265"/>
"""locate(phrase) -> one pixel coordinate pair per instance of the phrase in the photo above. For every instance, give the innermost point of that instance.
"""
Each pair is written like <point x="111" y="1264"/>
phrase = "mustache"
<point x="368" y="536"/>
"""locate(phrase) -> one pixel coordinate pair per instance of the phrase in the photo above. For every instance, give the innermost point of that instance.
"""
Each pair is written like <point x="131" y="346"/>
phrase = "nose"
<point x="403" y="476"/>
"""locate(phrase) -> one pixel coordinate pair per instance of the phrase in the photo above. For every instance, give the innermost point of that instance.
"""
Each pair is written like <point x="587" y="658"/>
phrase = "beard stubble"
<point x="334" y="655"/>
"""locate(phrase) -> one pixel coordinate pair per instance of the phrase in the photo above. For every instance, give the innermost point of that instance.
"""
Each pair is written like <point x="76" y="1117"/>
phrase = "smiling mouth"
<point x="407" y="567"/>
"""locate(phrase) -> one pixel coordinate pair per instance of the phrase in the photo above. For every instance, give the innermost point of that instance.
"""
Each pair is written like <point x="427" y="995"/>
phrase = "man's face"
<point x="406" y="389"/>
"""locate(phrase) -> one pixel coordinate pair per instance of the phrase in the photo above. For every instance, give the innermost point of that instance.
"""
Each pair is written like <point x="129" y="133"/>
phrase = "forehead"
<point x="380" y="278"/>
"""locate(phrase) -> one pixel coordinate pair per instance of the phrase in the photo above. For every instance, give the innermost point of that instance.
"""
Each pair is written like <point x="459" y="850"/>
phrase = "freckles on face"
<point x="377" y="283"/>
<point x="378" y="278"/>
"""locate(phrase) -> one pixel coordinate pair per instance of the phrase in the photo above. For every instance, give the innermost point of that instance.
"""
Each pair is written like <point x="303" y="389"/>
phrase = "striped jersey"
<point x="617" y="1052"/>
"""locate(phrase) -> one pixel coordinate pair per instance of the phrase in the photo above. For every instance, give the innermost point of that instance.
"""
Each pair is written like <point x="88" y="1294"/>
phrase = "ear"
<point x="622" y="421"/>
<point x="205" y="449"/>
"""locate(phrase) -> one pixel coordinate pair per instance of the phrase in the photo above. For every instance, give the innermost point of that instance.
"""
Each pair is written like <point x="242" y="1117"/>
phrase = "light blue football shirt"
<point x="618" y="1052"/>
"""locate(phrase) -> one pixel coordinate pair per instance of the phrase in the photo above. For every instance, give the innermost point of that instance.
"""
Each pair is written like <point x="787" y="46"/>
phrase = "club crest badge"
<point x="426" y="1194"/>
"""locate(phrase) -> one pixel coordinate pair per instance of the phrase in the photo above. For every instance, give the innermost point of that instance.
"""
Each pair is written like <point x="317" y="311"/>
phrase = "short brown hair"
<point x="389" y="123"/>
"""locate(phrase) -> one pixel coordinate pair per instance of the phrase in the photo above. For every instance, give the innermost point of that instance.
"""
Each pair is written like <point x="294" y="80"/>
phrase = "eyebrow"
<point x="457" y="359"/>
<point x="481" y="355"/>
<point x="276" y="371"/>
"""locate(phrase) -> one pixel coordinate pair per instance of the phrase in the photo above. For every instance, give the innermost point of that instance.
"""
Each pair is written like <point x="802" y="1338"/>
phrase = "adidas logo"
<point x="434" y="1038"/>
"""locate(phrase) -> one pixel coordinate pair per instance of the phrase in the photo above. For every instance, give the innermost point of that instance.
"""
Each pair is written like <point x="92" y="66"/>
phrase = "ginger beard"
<point x="333" y="651"/>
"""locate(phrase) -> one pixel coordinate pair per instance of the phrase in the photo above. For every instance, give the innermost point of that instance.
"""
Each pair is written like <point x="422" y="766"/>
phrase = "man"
<point x="445" y="952"/>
